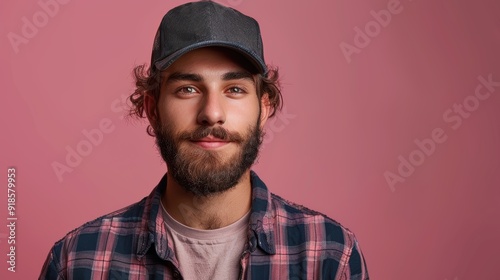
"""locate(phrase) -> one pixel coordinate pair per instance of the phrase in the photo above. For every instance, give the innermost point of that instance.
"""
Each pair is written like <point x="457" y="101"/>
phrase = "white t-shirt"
<point x="208" y="254"/>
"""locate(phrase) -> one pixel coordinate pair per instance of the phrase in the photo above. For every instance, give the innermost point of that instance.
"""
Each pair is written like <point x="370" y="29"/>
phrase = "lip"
<point x="210" y="142"/>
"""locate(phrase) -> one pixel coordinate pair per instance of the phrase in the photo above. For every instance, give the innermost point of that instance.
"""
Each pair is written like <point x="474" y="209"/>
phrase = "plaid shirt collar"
<point x="261" y="225"/>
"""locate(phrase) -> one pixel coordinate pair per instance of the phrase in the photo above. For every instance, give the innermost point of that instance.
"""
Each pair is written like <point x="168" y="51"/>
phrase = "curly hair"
<point x="148" y="81"/>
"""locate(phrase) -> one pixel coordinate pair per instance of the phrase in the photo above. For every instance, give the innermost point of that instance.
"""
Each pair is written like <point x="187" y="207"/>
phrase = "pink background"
<point x="346" y="124"/>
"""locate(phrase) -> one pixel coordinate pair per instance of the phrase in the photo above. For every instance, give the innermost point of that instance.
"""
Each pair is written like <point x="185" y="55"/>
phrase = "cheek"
<point x="244" y="114"/>
<point x="177" y="115"/>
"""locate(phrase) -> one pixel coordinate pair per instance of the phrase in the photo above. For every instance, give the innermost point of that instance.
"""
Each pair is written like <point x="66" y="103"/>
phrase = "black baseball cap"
<point x="203" y="24"/>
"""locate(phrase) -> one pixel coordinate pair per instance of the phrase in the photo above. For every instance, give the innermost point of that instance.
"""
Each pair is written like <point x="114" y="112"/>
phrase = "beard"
<point x="206" y="172"/>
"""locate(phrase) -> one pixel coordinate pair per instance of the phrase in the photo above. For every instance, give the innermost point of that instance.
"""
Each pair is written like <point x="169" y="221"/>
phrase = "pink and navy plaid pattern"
<point x="286" y="241"/>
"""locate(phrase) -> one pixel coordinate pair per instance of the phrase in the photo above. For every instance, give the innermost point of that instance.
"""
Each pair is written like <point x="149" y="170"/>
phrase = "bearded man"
<point x="207" y="95"/>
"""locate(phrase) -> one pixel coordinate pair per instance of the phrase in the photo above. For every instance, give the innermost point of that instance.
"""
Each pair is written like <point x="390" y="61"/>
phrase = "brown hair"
<point x="148" y="81"/>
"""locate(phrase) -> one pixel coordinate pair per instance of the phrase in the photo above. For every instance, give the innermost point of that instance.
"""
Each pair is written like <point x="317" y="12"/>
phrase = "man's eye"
<point x="236" y="90"/>
<point x="186" y="90"/>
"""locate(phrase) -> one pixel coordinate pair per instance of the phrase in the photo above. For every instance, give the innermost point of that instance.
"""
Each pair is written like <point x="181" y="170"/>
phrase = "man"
<point x="207" y="95"/>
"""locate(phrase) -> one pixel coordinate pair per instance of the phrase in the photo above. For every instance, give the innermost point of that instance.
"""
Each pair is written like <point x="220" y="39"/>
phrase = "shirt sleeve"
<point x="356" y="267"/>
<point x="50" y="269"/>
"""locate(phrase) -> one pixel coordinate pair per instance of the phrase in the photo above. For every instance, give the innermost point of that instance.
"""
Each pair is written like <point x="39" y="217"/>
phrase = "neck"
<point x="211" y="212"/>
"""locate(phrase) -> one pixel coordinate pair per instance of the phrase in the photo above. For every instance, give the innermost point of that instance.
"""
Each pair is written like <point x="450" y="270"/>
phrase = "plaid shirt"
<point x="285" y="241"/>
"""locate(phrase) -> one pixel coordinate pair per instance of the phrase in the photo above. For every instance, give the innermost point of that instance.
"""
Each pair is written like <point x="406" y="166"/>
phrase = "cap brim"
<point x="164" y="63"/>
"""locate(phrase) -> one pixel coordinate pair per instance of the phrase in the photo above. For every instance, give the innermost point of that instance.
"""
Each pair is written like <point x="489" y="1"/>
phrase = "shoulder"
<point x="311" y="233"/>
<point x="78" y="248"/>
<point x="314" y="224"/>
<point x="87" y="237"/>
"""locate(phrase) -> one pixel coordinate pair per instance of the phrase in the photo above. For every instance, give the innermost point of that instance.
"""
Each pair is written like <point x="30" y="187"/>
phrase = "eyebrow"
<point x="235" y="75"/>
<point x="178" y="76"/>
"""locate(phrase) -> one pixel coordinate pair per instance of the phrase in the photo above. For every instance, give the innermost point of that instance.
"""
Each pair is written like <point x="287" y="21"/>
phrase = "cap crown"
<point x="202" y="24"/>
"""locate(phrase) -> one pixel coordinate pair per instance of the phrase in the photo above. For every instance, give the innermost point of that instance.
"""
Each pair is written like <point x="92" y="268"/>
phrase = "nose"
<point x="212" y="110"/>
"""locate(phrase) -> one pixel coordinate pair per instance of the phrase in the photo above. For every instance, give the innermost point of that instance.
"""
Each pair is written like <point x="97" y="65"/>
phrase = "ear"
<point x="265" y="109"/>
<point x="151" y="109"/>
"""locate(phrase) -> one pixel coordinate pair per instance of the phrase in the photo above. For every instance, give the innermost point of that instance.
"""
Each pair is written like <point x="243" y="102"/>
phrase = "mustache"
<point x="218" y="132"/>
